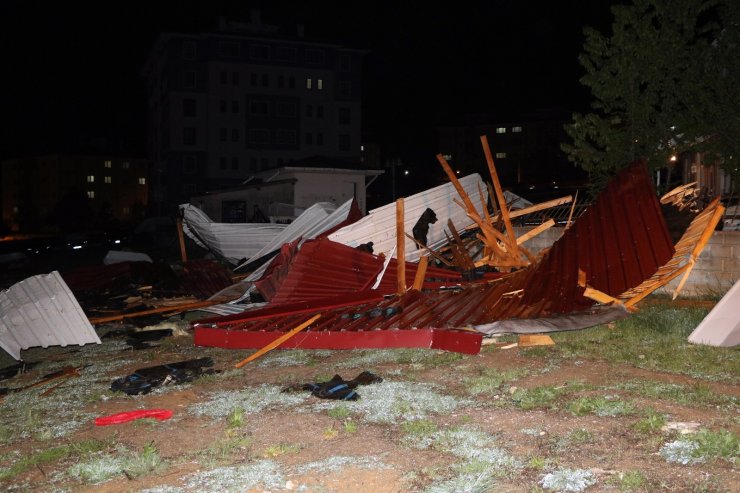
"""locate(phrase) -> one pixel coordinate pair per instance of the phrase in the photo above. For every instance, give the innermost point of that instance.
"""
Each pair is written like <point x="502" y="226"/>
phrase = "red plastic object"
<point x="114" y="419"/>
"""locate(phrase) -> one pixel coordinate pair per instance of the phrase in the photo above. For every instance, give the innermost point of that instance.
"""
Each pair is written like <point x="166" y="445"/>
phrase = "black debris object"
<point x="144" y="380"/>
<point x="16" y="369"/>
<point x="337" y="388"/>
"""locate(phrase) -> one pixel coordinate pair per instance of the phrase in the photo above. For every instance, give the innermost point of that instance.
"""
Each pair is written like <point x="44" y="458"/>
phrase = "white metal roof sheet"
<point x="42" y="311"/>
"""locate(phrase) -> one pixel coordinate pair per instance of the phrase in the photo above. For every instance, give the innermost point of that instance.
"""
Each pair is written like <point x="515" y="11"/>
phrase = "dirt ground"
<point x="319" y="445"/>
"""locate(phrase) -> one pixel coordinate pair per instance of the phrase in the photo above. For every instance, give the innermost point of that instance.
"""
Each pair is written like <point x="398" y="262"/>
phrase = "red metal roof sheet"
<point x="619" y="242"/>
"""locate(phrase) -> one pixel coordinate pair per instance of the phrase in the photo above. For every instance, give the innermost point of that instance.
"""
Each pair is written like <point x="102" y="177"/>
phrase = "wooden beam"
<point x="535" y="231"/>
<point x="537" y="207"/>
<point x="464" y="256"/>
<point x="599" y="296"/>
<point x="421" y="271"/>
<point x="431" y="252"/>
<point x="163" y="309"/>
<point x="277" y="341"/>
<point x="181" y="238"/>
<point x="499" y="195"/>
<point x="573" y="208"/>
<point x="400" y="248"/>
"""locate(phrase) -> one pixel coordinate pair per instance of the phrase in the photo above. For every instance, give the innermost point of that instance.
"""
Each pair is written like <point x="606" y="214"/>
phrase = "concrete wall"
<point x="716" y="269"/>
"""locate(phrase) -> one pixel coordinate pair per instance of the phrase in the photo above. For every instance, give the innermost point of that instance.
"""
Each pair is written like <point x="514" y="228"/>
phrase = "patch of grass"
<point x="537" y="462"/>
<point x="330" y="433"/>
<point x="577" y="437"/>
<point x="629" y="481"/>
<point x="339" y="412"/>
<point x="281" y="449"/>
<point x="236" y="418"/>
<point x="491" y="380"/>
<point x="651" y="423"/>
<point x="226" y="447"/>
<point x="692" y="395"/>
<point x="703" y="446"/>
<point x="403" y="356"/>
<point x="568" y="480"/>
<point x="654" y="338"/>
<point x="600" y="406"/>
<point x="76" y="449"/>
<point x="419" y="427"/>
<point x="350" y="426"/>
<point x="146" y="462"/>
<point x="544" y="397"/>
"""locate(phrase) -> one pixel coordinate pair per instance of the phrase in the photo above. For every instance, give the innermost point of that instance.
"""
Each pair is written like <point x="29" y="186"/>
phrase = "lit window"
<point x="126" y="211"/>
<point x="309" y="83"/>
<point x="90" y="194"/>
<point x="142" y="181"/>
<point x="107" y="179"/>
<point x="501" y="130"/>
<point x="107" y="164"/>
<point x="126" y="165"/>
<point x="91" y="178"/>
<point x="516" y="130"/>
<point x="500" y="155"/>
<point x="320" y="84"/>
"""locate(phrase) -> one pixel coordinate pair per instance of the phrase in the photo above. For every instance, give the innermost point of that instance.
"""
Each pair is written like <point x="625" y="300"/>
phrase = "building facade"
<point x="526" y="151"/>
<point x="39" y="191"/>
<point x="225" y="105"/>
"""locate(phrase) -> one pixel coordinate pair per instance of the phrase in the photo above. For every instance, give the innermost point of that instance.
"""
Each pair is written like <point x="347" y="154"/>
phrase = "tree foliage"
<point x="666" y="81"/>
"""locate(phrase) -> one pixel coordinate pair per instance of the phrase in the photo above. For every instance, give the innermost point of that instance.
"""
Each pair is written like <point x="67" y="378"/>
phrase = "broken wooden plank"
<point x="535" y="231"/>
<point x="400" y="248"/>
<point x="530" y="340"/>
<point x="431" y="252"/>
<point x="163" y="309"/>
<point x="462" y="252"/>
<point x="500" y="196"/>
<point x="278" y="341"/>
<point x="421" y="271"/>
<point x="181" y="238"/>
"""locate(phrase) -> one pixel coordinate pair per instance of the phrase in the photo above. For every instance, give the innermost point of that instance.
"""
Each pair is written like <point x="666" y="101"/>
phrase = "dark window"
<point x="281" y="81"/>
<point x="235" y="106"/>
<point x="253" y="163"/>
<point x="188" y="50"/>
<point x="265" y="80"/>
<point x="224" y="78"/>
<point x="258" y="108"/>
<point x="319" y="138"/>
<point x="344" y="142"/>
<point x="189" y="136"/>
<point x="265" y="163"/>
<point x="189" y="164"/>
<point x="345" y="62"/>
<point x="235" y="135"/>
<point x="188" y="107"/>
<point x="308" y="139"/>
<point x="286" y="137"/>
<point x="314" y="57"/>
<point x="319" y="111"/>
<point x="345" y="116"/>
<point x="223" y="162"/>
<point x="188" y="80"/>
<point x="285" y="54"/>
<point x="259" y="136"/>
<point x="309" y="110"/>
<point x="259" y="52"/>
<point x="234" y="163"/>
<point x="345" y="89"/>
<point x="285" y="109"/>
<point x="253" y="79"/>
<point x="291" y="82"/>
<point x="223" y="134"/>
<point x="223" y="104"/>
<point x="235" y="78"/>
<point x="229" y="49"/>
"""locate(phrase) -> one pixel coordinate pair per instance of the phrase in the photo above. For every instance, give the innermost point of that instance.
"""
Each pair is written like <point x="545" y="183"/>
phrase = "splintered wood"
<point x="501" y="249"/>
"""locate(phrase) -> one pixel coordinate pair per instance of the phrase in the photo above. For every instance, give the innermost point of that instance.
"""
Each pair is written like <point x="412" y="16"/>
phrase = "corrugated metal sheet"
<point x="42" y="311"/>
<point x="233" y="241"/>
<point x="721" y="327"/>
<point x="379" y="226"/>
<point x="301" y="274"/>
<point x="314" y="220"/>
<point x="619" y="242"/>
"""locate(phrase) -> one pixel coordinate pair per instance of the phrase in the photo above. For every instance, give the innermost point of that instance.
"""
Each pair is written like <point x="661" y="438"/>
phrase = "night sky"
<point x="71" y="69"/>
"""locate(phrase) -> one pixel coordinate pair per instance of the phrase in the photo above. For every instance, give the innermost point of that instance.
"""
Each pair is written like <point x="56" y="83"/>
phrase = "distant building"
<point x="39" y="190"/>
<point x="282" y="194"/>
<point x="225" y="105"/>
<point x="526" y="151"/>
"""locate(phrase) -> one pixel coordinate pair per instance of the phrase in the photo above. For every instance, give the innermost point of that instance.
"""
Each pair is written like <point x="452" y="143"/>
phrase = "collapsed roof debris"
<point x="604" y="263"/>
<point x="42" y="311"/>
<point x="721" y="327"/>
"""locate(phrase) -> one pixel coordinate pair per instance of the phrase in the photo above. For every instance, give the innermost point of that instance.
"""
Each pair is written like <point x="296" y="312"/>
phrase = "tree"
<point x="664" y="82"/>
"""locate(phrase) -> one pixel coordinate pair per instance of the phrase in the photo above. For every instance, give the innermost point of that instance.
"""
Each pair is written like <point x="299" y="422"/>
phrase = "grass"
<point x="225" y="448"/>
<point x="492" y="380"/>
<point x="102" y="468"/>
<point x="652" y="422"/>
<point x="600" y="406"/>
<point x="654" y="338"/>
<point x="76" y="449"/>
<point x="281" y="449"/>
<point x="698" y="394"/>
<point x="630" y="481"/>
<point x="704" y="446"/>
<point x="544" y="397"/>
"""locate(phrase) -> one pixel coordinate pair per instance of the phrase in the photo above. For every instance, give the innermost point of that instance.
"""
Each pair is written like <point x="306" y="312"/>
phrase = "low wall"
<point x="716" y="269"/>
